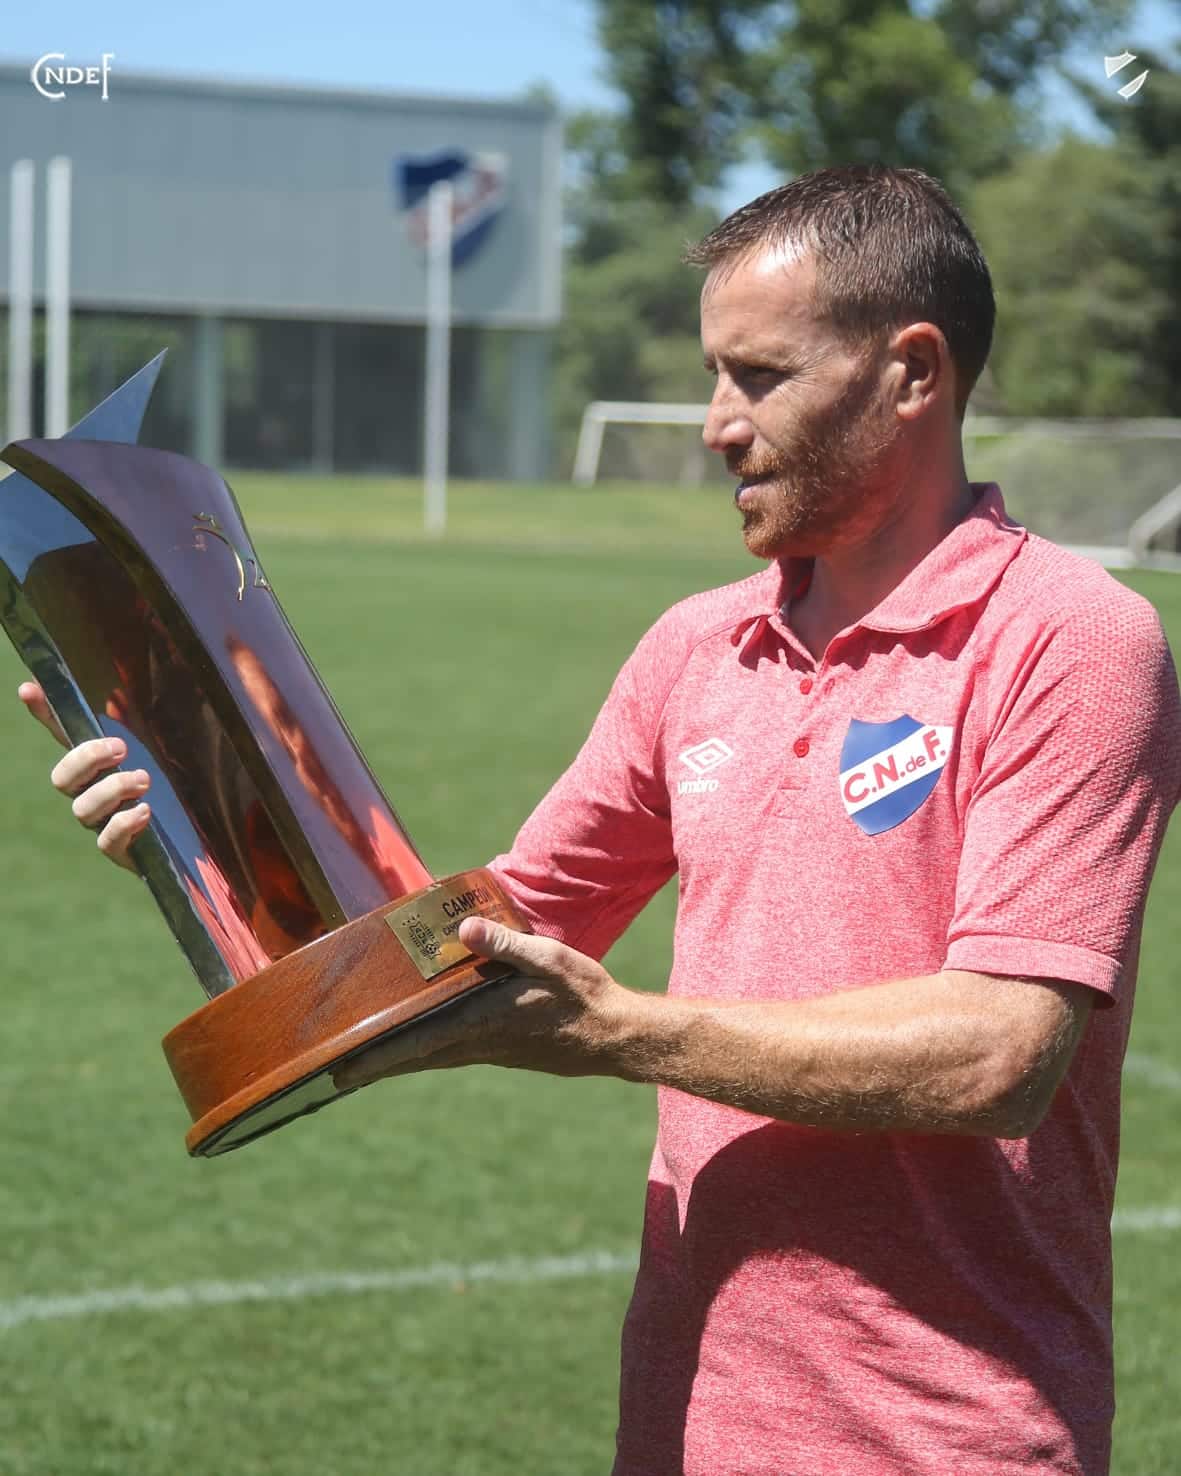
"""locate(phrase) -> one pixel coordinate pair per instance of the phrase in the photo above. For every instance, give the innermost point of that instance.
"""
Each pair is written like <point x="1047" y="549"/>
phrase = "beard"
<point x="831" y="488"/>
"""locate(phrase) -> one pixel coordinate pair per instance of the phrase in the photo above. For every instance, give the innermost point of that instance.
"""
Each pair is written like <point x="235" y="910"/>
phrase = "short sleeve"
<point x="599" y="845"/>
<point x="1065" y="822"/>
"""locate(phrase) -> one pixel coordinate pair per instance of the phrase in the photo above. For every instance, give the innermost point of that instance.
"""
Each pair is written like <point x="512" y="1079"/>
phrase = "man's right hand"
<point x="85" y="775"/>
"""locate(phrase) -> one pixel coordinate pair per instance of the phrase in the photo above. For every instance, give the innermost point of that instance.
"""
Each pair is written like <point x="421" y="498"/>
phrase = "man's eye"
<point x="762" y="373"/>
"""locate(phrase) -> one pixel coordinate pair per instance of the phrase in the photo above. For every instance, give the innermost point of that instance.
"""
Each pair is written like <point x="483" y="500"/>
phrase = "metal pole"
<point x="57" y="297"/>
<point x="324" y="393"/>
<point x="209" y="400"/>
<point x="590" y="443"/>
<point x="438" y="357"/>
<point x="20" y="302"/>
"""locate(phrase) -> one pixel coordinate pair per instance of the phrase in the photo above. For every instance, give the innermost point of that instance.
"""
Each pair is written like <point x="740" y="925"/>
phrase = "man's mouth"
<point x="744" y="487"/>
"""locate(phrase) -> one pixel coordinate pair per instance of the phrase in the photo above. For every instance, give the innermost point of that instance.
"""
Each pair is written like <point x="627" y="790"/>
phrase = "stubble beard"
<point x="830" y="489"/>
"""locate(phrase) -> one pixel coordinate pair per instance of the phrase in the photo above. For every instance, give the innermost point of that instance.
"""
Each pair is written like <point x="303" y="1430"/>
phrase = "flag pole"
<point x="20" y="302"/>
<point x="57" y="296"/>
<point x="438" y="357"/>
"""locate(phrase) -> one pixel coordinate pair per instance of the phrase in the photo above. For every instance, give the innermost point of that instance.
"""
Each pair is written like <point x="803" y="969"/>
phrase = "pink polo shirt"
<point x="976" y="776"/>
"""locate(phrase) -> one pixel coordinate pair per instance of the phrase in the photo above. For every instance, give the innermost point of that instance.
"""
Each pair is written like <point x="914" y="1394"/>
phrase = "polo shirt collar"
<point x="959" y="571"/>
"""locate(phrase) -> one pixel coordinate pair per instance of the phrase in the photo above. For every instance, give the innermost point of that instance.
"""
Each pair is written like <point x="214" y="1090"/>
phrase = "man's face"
<point x="802" y="416"/>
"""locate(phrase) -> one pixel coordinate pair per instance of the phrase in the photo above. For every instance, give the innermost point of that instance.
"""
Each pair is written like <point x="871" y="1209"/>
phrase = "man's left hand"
<point x="559" y="1012"/>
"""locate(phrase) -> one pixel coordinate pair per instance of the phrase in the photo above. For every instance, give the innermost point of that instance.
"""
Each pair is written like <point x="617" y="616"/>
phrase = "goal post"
<point x="1109" y="488"/>
<point x="1102" y="487"/>
<point x="601" y="413"/>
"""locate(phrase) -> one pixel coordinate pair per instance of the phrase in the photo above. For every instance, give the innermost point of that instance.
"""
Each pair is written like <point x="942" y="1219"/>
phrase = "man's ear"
<point x="927" y="371"/>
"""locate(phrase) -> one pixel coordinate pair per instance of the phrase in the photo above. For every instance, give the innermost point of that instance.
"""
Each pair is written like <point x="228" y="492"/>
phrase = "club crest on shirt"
<point x="889" y="769"/>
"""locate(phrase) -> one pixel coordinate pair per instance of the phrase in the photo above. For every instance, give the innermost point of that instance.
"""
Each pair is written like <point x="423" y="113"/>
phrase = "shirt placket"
<point x="812" y="683"/>
<point x="802" y="674"/>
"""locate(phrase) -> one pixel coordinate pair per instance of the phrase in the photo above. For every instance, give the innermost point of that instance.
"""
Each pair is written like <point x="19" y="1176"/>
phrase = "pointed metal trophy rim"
<point x="119" y="418"/>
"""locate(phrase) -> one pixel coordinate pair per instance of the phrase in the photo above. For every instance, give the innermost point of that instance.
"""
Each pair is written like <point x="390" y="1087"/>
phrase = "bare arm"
<point x="953" y="1052"/>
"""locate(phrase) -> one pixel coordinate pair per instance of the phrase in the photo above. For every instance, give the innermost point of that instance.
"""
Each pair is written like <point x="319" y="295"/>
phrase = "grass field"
<point x="469" y="670"/>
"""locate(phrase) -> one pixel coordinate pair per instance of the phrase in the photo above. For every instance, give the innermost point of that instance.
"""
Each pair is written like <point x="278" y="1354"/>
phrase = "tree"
<point x="820" y="82"/>
<point x="687" y="71"/>
<point x="943" y="85"/>
<point x="1077" y="240"/>
<point x="1149" y="130"/>
<point x="1009" y="41"/>
<point x="886" y="86"/>
<point x="629" y="325"/>
<point x="1084" y="241"/>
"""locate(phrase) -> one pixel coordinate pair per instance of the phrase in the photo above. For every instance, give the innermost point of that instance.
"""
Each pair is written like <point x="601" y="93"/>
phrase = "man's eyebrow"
<point x="785" y="359"/>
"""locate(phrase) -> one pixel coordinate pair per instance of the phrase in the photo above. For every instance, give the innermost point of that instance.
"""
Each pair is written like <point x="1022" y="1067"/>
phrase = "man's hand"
<point x="953" y="1052"/>
<point x="85" y="776"/>
<point x="560" y="1012"/>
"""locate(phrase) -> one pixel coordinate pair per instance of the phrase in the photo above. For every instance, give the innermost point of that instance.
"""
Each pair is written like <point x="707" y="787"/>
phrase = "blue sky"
<point x="488" y="49"/>
<point x="466" y="46"/>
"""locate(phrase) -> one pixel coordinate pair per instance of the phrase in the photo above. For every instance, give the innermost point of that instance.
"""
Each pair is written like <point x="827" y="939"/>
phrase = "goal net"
<point x="1110" y="487"/>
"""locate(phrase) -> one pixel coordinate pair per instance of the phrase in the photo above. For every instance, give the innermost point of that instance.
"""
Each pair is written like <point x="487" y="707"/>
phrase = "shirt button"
<point x="801" y="747"/>
<point x="806" y="685"/>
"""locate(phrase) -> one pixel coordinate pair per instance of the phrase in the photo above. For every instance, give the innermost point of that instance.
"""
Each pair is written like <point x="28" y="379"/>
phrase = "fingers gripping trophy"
<point x="159" y="651"/>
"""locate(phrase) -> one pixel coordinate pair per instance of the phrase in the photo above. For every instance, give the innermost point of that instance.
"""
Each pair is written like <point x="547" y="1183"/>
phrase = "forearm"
<point x="954" y="1052"/>
<point x="913" y="1055"/>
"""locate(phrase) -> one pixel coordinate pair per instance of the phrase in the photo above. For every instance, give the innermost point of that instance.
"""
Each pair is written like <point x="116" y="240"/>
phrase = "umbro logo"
<point x="702" y="758"/>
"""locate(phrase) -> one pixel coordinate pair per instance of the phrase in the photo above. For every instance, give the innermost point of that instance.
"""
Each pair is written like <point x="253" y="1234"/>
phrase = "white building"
<point x="271" y="237"/>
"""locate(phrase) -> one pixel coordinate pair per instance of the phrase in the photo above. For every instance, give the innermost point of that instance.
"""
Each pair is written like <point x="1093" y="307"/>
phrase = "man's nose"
<point x="727" y="425"/>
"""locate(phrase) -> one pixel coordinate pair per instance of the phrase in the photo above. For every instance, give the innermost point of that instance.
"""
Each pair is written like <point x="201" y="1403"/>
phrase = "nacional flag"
<point x="478" y="182"/>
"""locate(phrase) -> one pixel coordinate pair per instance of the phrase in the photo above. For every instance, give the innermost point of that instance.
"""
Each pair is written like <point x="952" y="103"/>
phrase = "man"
<point x="914" y="776"/>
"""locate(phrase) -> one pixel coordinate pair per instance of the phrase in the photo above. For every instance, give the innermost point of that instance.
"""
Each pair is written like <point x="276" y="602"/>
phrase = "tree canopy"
<point x="1083" y="235"/>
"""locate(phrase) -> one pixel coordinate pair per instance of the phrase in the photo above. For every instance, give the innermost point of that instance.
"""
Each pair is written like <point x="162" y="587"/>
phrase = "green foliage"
<point x="1149" y="132"/>
<point x="687" y="70"/>
<point x="629" y="328"/>
<point x="1008" y="40"/>
<point x="1090" y="321"/>
<point x="1078" y="241"/>
<point x="820" y="82"/>
<point x="880" y="84"/>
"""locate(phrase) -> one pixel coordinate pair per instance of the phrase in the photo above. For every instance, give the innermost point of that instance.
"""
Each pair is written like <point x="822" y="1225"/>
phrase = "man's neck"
<point x="848" y="583"/>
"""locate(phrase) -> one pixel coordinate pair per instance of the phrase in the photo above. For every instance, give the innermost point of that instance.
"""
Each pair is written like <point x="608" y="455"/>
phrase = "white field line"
<point x="1160" y="1217"/>
<point x="514" y="1271"/>
<point x="1155" y="1073"/>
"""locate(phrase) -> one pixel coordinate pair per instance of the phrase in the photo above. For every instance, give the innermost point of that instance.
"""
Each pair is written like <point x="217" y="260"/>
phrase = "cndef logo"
<point x="51" y="76"/>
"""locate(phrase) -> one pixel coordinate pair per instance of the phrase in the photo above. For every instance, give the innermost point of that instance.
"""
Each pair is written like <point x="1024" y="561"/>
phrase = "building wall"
<point x="234" y="200"/>
<point x="260" y="234"/>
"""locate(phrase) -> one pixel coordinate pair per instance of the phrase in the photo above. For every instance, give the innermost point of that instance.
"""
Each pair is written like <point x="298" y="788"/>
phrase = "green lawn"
<point x="469" y="669"/>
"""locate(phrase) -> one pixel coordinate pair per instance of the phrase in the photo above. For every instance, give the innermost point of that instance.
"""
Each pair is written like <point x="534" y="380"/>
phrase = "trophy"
<point x="131" y="590"/>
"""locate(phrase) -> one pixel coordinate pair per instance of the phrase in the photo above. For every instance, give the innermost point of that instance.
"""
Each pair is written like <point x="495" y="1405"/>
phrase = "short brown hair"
<point x="891" y="248"/>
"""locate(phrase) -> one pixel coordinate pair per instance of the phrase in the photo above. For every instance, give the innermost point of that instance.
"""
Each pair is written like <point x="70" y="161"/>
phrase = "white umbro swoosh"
<point x="703" y="757"/>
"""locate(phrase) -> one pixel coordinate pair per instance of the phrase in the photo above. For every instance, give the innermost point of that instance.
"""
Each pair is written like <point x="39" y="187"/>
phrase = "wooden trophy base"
<point x="263" y="1052"/>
